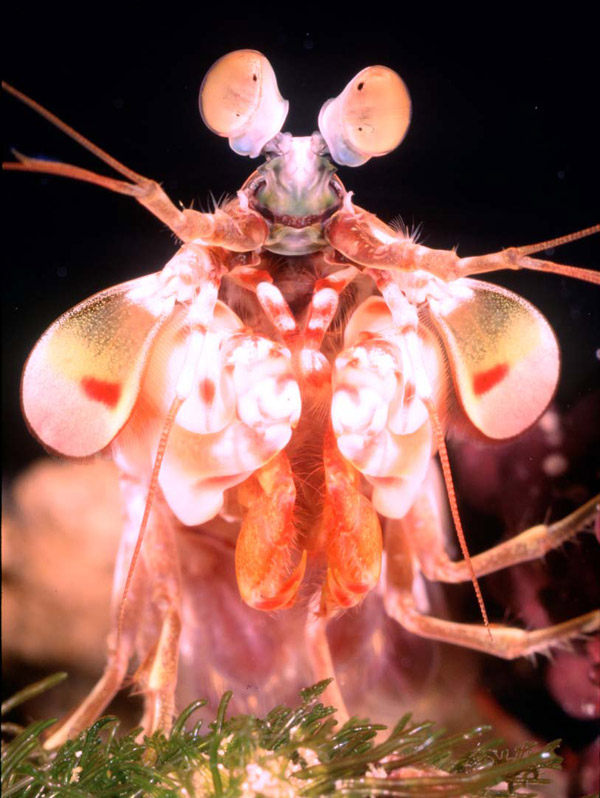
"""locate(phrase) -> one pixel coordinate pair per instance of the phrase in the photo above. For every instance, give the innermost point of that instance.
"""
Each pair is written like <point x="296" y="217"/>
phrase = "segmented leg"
<point x="528" y="545"/>
<point x="266" y="575"/>
<point x="121" y="641"/>
<point x="324" y="304"/>
<point x="320" y="655"/>
<point x="505" y="642"/>
<point x="101" y="695"/>
<point x="157" y="675"/>
<point x="311" y="366"/>
<point x="382" y="426"/>
<point x="418" y="538"/>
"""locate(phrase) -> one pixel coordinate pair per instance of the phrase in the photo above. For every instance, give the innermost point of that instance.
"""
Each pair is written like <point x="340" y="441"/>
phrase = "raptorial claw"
<point x="354" y="557"/>
<point x="284" y="594"/>
<point x="354" y="540"/>
<point x="266" y="577"/>
<point x="381" y="425"/>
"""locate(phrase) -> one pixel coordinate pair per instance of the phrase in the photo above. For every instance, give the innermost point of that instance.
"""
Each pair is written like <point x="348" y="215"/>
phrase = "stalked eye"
<point x="369" y="118"/>
<point x="240" y="100"/>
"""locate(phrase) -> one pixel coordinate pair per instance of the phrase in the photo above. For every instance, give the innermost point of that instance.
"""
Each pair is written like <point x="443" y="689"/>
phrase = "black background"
<point x="502" y="149"/>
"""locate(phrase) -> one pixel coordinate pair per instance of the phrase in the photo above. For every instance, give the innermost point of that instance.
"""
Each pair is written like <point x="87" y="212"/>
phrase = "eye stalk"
<point x="240" y="100"/>
<point x="368" y="119"/>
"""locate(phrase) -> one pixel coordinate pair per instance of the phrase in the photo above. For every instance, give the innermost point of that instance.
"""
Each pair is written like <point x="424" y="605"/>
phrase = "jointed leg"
<point x="505" y="641"/>
<point x="153" y="591"/>
<point x="311" y="366"/>
<point x="157" y="675"/>
<point x="121" y="642"/>
<point x="427" y="543"/>
<point x="416" y="543"/>
<point x="102" y="694"/>
<point x="320" y="657"/>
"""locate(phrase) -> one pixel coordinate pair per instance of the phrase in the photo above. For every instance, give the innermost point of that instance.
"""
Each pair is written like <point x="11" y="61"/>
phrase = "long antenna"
<point x="152" y="488"/>
<point x="73" y="134"/>
<point x="447" y="472"/>
<point x="558" y="242"/>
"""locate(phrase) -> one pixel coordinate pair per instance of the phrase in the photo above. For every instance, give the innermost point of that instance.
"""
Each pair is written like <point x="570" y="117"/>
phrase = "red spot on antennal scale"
<point x="484" y="381"/>
<point x="101" y="390"/>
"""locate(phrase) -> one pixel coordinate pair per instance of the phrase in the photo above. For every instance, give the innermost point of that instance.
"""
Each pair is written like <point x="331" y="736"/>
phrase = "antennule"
<point x="73" y="134"/>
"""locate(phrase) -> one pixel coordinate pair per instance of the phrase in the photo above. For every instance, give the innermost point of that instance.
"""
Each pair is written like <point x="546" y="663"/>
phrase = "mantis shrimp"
<point x="282" y="387"/>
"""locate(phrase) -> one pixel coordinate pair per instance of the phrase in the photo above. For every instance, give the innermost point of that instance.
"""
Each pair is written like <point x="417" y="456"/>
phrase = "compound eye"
<point x="368" y="119"/>
<point x="240" y="100"/>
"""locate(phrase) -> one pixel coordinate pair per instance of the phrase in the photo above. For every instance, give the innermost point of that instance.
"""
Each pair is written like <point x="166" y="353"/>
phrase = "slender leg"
<point x="157" y="675"/>
<point x="322" y="309"/>
<point x="419" y="538"/>
<point x="320" y="655"/>
<point x="150" y="622"/>
<point x="120" y="642"/>
<point x="528" y="545"/>
<point x="505" y="641"/>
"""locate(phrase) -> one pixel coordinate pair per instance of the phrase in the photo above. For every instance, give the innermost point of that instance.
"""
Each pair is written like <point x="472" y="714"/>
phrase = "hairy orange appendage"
<point x="354" y="541"/>
<point x="266" y="578"/>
